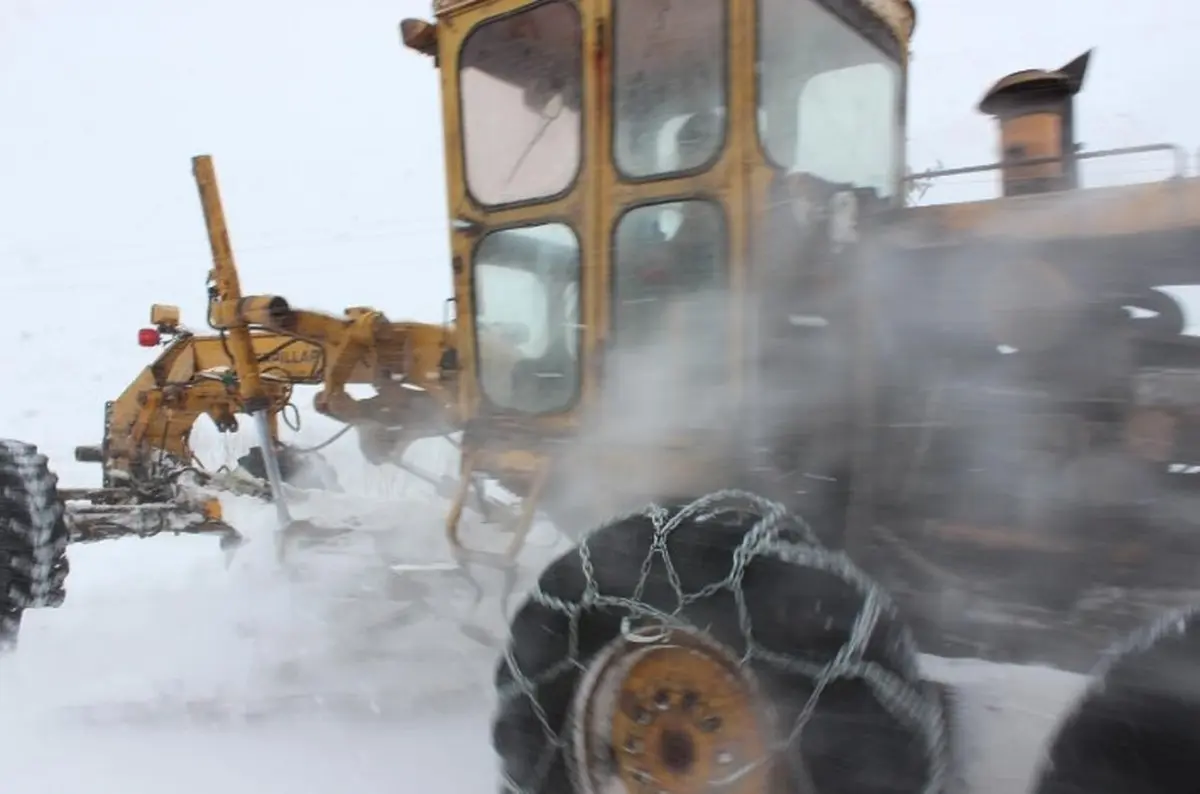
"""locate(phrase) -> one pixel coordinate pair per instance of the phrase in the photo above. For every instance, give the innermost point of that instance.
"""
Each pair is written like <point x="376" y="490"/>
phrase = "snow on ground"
<point x="1003" y="715"/>
<point x="166" y="670"/>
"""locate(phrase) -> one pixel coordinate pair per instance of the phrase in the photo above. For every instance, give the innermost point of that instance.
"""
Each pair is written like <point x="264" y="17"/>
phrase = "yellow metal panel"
<point x="442" y="7"/>
<point x="1167" y="206"/>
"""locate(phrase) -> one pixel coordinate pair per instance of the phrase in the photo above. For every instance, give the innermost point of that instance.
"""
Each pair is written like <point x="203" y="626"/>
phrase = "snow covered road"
<point x="165" y="671"/>
<point x="447" y="754"/>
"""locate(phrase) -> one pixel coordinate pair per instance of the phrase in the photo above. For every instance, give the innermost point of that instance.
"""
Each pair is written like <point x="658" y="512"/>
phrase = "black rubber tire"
<point x="851" y="744"/>
<point x="1134" y="730"/>
<point x="33" y="537"/>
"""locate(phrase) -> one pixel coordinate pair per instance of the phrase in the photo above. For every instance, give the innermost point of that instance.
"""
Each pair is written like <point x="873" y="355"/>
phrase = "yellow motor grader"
<point x="802" y="432"/>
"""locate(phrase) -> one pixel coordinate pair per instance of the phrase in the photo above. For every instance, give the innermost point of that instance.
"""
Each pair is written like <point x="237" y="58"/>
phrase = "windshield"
<point x="527" y="317"/>
<point x="828" y="98"/>
<point x="519" y="85"/>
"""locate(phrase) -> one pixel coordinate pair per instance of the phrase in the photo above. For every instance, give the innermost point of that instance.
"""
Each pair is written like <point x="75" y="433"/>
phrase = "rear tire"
<point x="33" y="537"/>
<point x="1134" y="730"/>
<point x="874" y="728"/>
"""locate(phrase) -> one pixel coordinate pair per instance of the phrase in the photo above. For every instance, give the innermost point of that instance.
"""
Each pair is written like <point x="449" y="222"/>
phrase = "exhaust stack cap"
<point x="1035" y="110"/>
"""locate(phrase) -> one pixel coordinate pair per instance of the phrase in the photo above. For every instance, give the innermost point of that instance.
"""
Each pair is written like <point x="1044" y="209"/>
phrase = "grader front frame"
<point x="262" y="349"/>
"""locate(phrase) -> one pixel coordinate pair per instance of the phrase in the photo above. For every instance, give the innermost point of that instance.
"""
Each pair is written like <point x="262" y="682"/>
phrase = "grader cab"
<point x="654" y="159"/>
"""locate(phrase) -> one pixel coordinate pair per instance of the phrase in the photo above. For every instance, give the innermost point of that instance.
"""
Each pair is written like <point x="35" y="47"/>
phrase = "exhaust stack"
<point x="1036" y="112"/>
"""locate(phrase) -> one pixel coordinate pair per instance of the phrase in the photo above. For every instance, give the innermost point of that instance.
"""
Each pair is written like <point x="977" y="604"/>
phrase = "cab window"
<point x="669" y="309"/>
<point x="664" y="254"/>
<point x="669" y="85"/>
<point x="527" y="318"/>
<point x="828" y="97"/>
<point x="520" y="79"/>
<point x="670" y="333"/>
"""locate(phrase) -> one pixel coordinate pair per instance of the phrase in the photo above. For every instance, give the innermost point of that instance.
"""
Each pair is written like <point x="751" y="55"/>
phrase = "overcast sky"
<point x="326" y="133"/>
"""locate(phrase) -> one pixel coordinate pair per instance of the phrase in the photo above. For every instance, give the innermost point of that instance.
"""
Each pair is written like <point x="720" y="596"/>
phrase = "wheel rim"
<point x="669" y="711"/>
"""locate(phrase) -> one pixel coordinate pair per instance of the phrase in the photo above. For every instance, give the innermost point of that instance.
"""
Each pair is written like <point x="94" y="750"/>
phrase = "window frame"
<point x="583" y="109"/>
<point x="875" y="34"/>
<point x="577" y="389"/>
<point x="726" y="84"/>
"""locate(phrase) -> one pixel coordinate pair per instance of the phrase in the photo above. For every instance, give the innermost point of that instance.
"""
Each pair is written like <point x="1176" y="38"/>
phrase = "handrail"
<point x="1181" y="161"/>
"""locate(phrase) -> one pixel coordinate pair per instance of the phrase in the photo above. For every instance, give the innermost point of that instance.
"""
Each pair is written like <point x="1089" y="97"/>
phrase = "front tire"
<point x="843" y="709"/>
<point x="33" y="537"/>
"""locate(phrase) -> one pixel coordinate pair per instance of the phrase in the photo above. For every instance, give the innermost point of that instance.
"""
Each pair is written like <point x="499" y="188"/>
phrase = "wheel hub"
<point x="669" y="712"/>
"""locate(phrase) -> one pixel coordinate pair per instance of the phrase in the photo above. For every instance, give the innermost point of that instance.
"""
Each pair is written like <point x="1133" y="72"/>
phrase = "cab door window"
<point x="527" y="318"/>
<point x="664" y="255"/>
<point x="520" y="83"/>
<point x="829" y="97"/>
<point x="669" y="85"/>
<point x="670" y="313"/>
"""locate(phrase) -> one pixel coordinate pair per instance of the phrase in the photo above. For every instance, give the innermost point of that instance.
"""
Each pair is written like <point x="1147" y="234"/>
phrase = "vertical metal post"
<point x="228" y="287"/>
<point x="245" y="362"/>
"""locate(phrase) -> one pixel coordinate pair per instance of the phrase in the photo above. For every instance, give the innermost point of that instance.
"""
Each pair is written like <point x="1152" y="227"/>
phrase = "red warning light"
<point x="149" y="337"/>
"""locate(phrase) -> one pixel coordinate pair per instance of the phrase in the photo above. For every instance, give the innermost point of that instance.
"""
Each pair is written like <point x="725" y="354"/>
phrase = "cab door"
<point x="517" y="97"/>
<point x="829" y="126"/>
